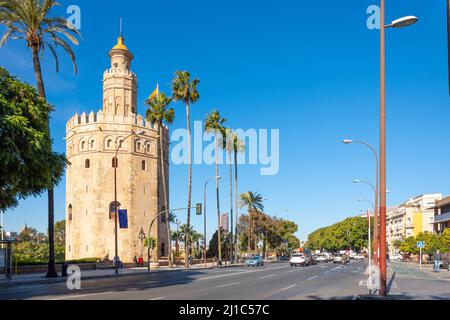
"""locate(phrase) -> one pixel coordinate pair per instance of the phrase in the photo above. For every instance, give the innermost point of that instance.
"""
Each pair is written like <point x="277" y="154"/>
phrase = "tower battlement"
<point x="114" y="72"/>
<point x="101" y="118"/>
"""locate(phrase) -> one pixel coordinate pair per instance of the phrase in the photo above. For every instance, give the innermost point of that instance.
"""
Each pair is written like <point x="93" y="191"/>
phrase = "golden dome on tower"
<point x="120" y="44"/>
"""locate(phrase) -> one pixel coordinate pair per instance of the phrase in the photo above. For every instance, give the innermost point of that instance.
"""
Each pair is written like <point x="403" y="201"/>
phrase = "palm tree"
<point x="214" y="123"/>
<point x="186" y="233"/>
<point x="196" y="236"/>
<point x="186" y="90"/>
<point x="254" y="203"/>
<point x="233" y="145"/>
<point x="30" y="20"/>
<point x="160" y="113"/>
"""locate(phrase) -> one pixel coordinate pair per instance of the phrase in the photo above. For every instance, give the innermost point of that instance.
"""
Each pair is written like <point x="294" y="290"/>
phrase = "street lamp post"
<point x="142" y="237"/>
<point x="399" y="23"/>
<point x="204" y="217"/>
<point x="376" y="188"/>
<point x="116" y="164"/>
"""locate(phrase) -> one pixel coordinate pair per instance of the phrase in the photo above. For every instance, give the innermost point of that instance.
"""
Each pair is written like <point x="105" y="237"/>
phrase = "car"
<point x="321" y="258"/>
<point x="255" y="261"/>
<point x="396" y="256"/>
<point x="299" y="259"/>
<point x="340" y="258"/>
<point x="359" y="257"/>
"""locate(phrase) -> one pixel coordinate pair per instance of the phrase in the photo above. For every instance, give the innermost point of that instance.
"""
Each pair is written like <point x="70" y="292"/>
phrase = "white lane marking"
<point x="228" y="285"/>
<point x="80" y="296"/>
<point x="154" y="299"/>
<point x="312" y="278"/>
<point x="337" y="268"/>
<point x="326" y="272"/>
<point x="293" y="270"/>
<point x="269" y="276"/>
<point x="239" y="273"/>
<point x="290" y="287"/>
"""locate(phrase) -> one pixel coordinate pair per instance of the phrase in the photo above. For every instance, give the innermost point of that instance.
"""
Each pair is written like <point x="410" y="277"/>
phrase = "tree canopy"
<point x="352" y="233"/>
<point x="27" y="165"/>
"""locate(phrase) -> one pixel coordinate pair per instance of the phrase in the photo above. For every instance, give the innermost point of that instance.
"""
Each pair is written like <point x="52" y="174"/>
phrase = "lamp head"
<point x="346" y="141"/>
<point x="404" y="22"/>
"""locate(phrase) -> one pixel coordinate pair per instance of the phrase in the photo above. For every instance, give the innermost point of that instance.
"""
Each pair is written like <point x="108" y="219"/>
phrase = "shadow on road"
<point x="128" y="283"/>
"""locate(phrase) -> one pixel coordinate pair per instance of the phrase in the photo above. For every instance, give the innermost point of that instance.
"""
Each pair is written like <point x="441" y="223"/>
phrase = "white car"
<point x="359" y="257"/>
<point x="321" y="258"/>
<point x="298" y="259"/>
<point x="396" y="256"/>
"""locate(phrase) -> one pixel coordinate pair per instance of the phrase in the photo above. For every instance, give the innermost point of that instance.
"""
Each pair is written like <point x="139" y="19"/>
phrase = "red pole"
<point x="382" y="234"/>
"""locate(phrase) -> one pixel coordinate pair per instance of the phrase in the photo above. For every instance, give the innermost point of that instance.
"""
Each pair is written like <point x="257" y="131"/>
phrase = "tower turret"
<point x="119" y="83"/>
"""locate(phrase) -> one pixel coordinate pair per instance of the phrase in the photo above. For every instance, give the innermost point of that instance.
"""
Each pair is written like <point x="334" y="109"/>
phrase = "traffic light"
<point x="199" y="209"/>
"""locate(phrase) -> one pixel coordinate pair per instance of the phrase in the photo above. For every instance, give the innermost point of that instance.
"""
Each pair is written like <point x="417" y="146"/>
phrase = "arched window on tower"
<point x="87" y="164"/>
<point x="143" y="165"/>
<point x="83" y="145"/>
<point x="163" y="216"/>
<point x="92" y="144"/>
<point x="112" y="209"/>
<point x="109" y="144"/>
<point x="70" y="212"/>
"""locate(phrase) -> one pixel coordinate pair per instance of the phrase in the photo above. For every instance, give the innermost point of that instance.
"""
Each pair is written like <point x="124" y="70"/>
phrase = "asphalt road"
<point x="276" y="281"/>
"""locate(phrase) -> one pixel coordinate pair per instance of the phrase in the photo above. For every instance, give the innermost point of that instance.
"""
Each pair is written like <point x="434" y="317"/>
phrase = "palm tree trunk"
<point x="218" y="202"/>
<point x="237" y="199"/>
<point x="231" y="208"/>
<point x="51" y="271"/>
<point x="186" y="236"/>
<point x="249" y="238"/>
<point x="166" y="202"/>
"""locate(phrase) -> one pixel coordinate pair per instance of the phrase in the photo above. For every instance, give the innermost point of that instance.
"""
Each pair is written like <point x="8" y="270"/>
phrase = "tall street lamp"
<point x="115" y="165"/>
<point x="376" y="209"/>
<point x="142" y="238"/>
<point x="399" y="23"/>
<point x="204" y="217"/>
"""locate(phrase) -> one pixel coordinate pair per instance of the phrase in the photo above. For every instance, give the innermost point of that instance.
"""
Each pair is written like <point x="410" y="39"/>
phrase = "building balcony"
<point x="442" y="218"/>
<point x="410" y="225"/>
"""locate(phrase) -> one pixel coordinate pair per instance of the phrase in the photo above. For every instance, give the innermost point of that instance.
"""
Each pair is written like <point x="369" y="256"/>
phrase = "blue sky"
<point x="308" y="68"/>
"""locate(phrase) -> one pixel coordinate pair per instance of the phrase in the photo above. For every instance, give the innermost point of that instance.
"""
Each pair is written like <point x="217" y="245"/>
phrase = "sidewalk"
<point x="443" y="274"/>
<point x="407" y="281"/>
<point x="31" y="279"/>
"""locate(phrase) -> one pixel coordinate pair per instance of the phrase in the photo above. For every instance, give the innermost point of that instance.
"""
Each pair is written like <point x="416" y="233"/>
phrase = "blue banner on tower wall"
<point x="123" y="219"/>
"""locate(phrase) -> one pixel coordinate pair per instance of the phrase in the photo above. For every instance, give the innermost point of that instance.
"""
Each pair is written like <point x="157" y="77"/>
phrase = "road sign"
<point x="123" y="219"/>
<point x="420" y="244"/>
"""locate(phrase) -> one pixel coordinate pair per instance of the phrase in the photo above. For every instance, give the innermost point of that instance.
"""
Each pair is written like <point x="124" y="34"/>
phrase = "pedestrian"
<point x="437" y="261"/>
<point x="135" y="260"/>
<point x="141" y="261"/>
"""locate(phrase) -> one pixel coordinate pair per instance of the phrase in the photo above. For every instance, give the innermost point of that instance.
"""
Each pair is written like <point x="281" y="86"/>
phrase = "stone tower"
<point x="91" y="144"/>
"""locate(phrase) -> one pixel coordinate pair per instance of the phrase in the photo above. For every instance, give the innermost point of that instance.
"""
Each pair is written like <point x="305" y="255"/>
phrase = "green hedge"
<point x="44" y="263"/>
